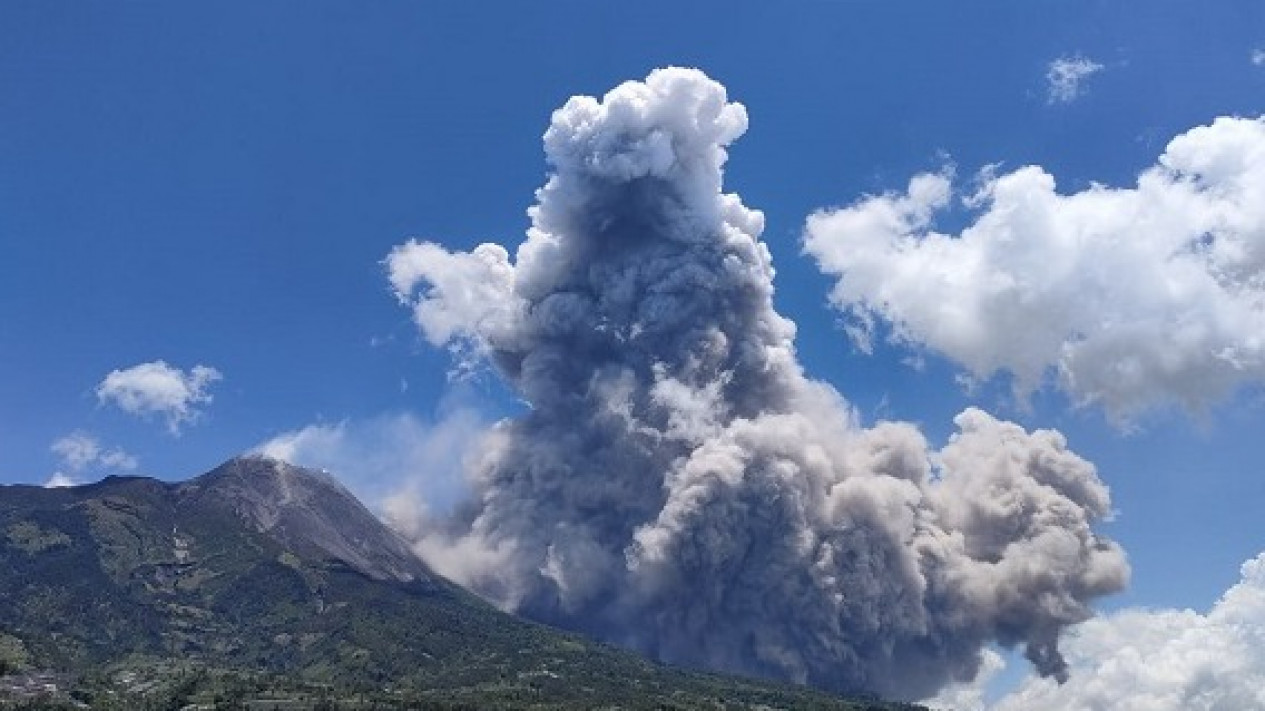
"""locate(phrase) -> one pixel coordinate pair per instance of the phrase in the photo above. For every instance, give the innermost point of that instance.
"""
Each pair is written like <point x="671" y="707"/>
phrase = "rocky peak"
<point x="309" y="512"/>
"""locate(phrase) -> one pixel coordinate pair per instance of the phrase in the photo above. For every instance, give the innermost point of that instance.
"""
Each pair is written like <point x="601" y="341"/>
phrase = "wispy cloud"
<point x="79" y="453"/>
<point x="403" y="466"/>
<point x="60" y="480"/>
<point x="1065" y="77"/>
<point x="1258" y="57"/>
<point x="157" y="388"/>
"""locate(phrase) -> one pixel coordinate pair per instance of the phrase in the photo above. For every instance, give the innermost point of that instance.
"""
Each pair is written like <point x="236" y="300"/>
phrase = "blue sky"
<point x="219" y="184"/>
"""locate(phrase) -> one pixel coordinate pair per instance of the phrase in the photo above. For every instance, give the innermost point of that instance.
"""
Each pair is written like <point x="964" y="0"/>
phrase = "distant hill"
<point x="260" y="581"/>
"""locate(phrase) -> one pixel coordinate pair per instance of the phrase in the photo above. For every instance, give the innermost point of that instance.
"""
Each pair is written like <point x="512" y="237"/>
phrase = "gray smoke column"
<point x="679" y="486"/>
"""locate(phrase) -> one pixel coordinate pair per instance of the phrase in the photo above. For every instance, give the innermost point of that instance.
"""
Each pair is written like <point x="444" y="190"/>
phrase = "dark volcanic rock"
<point x="308" y="512"/>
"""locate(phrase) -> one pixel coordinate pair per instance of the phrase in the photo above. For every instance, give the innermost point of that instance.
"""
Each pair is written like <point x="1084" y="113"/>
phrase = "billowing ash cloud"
<point x="679" y="486"/>
<point x="1130" y="298"/>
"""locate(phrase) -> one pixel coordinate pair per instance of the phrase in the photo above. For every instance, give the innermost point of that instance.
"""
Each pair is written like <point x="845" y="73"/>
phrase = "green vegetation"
<point x="31" y="539"/>
<point x="13" y="655"/>
<point x="136" y="594"/>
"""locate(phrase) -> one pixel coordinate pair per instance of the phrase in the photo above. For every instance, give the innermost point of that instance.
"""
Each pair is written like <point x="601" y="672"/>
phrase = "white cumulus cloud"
<point x="1258" y="57"/>
<point x="1162" y="660"/>
<point x="1130" y="298"/>
<point x="1065" y="75"/>
<point x="160" y="389"/>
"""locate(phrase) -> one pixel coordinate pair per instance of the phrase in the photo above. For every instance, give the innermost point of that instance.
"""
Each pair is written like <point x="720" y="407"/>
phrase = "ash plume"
<point x="679" y="486"/>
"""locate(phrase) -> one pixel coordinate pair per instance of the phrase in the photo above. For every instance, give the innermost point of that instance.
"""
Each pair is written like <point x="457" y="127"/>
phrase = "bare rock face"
<point x="309" y="512"/>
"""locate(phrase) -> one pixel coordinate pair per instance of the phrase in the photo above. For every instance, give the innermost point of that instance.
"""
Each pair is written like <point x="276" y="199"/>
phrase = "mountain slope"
<point x="278" y="579"/>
